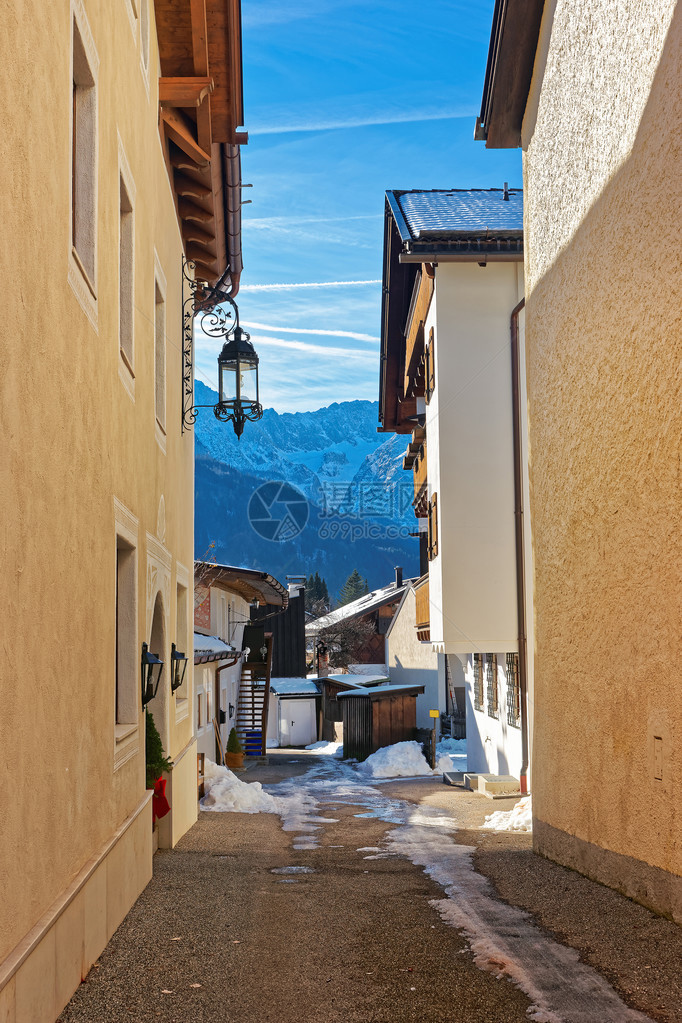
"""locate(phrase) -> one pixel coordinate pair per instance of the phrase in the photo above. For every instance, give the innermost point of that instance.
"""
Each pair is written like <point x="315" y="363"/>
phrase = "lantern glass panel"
<point x="248" y="381"/>
<point x="228" y="380"/>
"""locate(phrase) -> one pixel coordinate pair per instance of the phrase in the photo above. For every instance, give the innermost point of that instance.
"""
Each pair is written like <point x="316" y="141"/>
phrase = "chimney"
<point x="398" y="576"/>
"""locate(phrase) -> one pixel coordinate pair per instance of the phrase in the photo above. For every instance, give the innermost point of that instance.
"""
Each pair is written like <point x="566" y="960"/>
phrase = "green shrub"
<point x="233" y="743"/>
<point x="156" y="762"/>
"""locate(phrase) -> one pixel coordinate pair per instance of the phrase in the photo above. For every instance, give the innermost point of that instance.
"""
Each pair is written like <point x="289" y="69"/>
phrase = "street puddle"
<point x="293" y="870"/>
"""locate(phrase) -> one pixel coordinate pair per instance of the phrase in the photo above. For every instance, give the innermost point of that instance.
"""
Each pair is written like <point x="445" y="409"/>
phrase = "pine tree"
<point x="352" y="588"/>
<point x="316" y="591"/>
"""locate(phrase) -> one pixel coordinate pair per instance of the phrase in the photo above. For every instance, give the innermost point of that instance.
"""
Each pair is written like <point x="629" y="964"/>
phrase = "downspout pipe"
<point x="216" y="687"/>
<point x="232" y="199"/>
<point x="520" y="545"/>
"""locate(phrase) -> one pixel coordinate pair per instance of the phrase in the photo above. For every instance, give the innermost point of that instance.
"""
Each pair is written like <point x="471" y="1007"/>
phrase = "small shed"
<point x="377" y="717"/>
<point x="293" y="716"/>
<point x="330" y="709"/>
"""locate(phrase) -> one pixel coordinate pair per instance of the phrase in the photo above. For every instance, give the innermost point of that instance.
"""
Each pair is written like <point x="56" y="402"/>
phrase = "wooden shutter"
<point x="432" y="522"/>
<point x="430" y="367"/>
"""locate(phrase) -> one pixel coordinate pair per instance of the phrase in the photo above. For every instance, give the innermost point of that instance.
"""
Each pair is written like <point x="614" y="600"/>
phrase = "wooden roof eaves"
<point x="511" y="56"/>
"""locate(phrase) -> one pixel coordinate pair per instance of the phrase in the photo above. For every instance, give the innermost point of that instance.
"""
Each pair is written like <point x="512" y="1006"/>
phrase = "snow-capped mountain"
<point x="350" y="476"/>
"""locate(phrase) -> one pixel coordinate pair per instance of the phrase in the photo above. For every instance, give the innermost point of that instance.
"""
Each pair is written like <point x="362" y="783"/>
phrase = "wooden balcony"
<point x="422" y="612"/>
<point x="414" y="341"/>
<point x="419" y="470"/>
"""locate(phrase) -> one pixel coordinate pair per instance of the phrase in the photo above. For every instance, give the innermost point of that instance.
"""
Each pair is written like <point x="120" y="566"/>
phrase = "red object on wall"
<point x="160" y="805"/>
<point x="202" y="610"/>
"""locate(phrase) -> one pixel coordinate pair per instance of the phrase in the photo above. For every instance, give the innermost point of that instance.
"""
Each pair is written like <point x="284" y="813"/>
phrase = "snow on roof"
<point x="357" y="608"/>
<point x="294" y="687"/>
<point x="441" y="212"/>
<point x="368" y="669"/>
<point x="382" y="690"/>
<point x="211" y="645"/>
<point x="359" y="680"/>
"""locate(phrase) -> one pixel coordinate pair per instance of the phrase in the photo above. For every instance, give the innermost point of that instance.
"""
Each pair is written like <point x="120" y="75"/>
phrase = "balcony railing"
<point x="422" y="610"/>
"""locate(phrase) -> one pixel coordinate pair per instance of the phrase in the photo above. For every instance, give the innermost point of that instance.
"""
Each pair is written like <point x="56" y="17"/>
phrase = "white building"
<point x="453" y="378"/>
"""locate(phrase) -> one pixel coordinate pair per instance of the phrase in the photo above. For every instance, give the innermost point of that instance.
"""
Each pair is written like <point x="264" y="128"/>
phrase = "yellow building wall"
<point x="602" y="177"/>
<point x="74" y="439"/>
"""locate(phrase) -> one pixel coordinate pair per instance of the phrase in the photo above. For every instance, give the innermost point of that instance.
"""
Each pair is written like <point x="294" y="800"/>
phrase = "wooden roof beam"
<point x="184" y="92"/>
<point x="186" y="186"/>
<point x="190" y="211"/>
<point x="179" y="129"/>
<point x="199" y="36"/>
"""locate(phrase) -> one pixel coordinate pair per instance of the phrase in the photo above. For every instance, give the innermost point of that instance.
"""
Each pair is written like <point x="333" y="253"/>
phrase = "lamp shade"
<point x="238" y="370"/>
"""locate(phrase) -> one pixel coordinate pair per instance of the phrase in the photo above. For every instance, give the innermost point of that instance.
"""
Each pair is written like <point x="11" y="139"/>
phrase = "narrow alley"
<point x="375" y="902"/>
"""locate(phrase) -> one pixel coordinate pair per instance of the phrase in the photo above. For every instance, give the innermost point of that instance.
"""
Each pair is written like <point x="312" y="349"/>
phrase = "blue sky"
<point x="342" y="101"/>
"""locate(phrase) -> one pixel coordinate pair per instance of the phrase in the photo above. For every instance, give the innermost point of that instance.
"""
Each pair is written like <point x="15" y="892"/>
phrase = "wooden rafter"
<point x="184" y="92"/>
<point x="179" y="129"/>
<point x="190" y="211"/>
<point x="186" y="186"/>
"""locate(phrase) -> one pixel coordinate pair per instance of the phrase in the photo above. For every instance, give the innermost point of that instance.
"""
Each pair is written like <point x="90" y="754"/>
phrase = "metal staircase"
<point x="252" y="704"/>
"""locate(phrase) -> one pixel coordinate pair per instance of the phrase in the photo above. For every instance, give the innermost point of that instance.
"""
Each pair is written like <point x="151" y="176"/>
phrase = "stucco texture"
<point x="602" y="179"/>
<point x="73" y="439"/>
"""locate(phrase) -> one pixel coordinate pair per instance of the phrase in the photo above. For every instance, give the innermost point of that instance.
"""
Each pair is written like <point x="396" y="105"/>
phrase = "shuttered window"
<point x="432" y="522"/>
<point x="513" y="691"/>
<point x="430" y="367"/>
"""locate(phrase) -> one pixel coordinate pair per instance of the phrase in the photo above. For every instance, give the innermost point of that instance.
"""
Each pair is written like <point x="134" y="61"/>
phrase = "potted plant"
<point x="155" y="764"/>
<point x="234" y="751"/>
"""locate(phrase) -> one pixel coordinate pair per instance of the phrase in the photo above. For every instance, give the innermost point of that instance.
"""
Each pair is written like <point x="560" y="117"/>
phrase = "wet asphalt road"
<point x="217" y="937"/>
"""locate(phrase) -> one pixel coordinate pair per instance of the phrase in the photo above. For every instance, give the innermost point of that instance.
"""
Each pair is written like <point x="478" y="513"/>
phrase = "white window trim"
<point x="84" y="289"/>
<point x="144" y="67"/>
<point x="126" y="736"/>
<point x="126" y="369"/>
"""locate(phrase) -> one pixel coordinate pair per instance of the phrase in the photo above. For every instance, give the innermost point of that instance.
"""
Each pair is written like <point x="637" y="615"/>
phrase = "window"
<point x="125" y="274"/>
<point x="513" y="691"/>
<point x="432" y="527"/>
<point x="160" y="356"/>
<point x="478" y="681"/>
<point x="491" y="684"/>
<point x="84" y="162"/>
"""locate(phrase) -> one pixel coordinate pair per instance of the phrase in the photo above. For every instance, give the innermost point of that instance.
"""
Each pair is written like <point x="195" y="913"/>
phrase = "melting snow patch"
<point x="292" y="870"/>
<point x="520" y="818"/>
<point x="503" y="938"/>
<point x="327" y="749"/>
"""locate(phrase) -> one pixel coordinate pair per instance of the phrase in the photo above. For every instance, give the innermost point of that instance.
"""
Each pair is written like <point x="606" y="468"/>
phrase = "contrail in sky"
<point x="307" y="284"/>
<point x="359" y="122"/>
<point x="310" y="330"/>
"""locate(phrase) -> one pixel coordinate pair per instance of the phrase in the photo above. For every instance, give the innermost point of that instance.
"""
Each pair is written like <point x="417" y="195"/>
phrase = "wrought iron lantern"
<point x="150" y="682"/>
<point x="218" y="317"/>
<point x="178" y="668"/>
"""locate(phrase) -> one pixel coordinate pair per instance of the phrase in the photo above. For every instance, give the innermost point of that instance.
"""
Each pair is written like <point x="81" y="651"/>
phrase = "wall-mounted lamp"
<point x="178" y="668"/>
<point x="237" y="363"/>
<point x="230" y="710"/>
<point x="150" y="683"/>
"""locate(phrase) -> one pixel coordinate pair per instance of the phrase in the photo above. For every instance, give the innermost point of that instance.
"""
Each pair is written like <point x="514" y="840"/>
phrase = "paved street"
<point x="225" y="932"/>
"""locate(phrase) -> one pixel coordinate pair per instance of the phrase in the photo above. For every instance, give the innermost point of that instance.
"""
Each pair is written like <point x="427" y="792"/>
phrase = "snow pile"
<point x="226" y="793"/>
<point x="402" y="760"/>
<point x="520" y="818"/>
<point x="452" y="754"/>
<point x="327" y="749"/>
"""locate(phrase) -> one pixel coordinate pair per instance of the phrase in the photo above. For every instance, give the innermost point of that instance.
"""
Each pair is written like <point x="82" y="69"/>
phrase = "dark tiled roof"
<point x="442" y="213"/>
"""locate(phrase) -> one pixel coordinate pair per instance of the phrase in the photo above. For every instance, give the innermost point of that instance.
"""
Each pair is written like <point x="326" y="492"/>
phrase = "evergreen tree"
<point x="353" y="588"/>
<point x="315" y="591"/>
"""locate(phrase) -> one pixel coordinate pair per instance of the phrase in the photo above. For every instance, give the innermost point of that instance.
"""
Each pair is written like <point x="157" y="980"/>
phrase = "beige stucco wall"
<point x="74" y="440"/>
<point x="410" y="661"/>
<point x="602" y="178"/>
